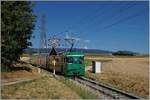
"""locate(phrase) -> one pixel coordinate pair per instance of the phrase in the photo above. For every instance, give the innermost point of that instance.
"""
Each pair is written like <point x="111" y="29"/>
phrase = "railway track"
<point x="106" y="90"/>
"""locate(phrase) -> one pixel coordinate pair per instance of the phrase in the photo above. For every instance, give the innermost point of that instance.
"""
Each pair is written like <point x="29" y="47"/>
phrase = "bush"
<point x="124" y="53"/>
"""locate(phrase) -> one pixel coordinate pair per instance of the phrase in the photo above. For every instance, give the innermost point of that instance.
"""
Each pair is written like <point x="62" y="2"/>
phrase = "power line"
<point x="112" y="15"/>
<point x="83" y="20"/>
<point x="120" y="11"/>
<point x="120" y="21"/>
<point x="97" y="15"/>
<point x="87" y="17"/>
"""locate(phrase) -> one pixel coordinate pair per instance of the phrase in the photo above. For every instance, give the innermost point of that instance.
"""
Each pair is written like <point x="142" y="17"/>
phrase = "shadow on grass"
<point x="21" y="68"/>
<point x="5" y="68"/>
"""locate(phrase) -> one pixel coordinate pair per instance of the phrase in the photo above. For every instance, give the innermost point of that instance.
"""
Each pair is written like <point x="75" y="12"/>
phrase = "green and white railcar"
<point x="69" y="63"/>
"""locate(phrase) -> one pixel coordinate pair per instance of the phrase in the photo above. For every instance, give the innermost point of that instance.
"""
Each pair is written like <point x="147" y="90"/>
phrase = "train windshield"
<point x="75" y="60"/>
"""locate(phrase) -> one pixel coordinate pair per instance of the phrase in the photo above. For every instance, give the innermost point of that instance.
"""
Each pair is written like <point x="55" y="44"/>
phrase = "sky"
<point x="109" y="25"/>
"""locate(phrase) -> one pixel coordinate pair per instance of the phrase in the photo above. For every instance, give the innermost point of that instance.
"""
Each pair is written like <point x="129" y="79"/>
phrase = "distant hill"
<point x="47" y="50"/>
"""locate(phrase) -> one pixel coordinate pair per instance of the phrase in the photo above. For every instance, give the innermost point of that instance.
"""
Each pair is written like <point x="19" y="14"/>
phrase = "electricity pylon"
<point x="43" y="43"/>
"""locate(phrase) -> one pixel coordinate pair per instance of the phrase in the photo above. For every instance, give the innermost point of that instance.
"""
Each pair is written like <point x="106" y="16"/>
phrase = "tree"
<point x="124" y="53"/>
<point x="17" y="24"/>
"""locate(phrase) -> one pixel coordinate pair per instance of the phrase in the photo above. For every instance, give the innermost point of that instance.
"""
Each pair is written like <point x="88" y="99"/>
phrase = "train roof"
<point x="73" y="54"/>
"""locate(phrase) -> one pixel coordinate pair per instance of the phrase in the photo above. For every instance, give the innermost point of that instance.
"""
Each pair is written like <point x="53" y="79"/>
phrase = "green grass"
<point x="82" y="92"/>
<point x="88" y="63"/>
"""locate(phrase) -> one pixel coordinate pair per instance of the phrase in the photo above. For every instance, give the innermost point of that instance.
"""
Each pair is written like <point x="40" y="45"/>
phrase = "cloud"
<point x="77" y="39"/>
<point x="85" y="47"/>
<point x="87" y="41"/>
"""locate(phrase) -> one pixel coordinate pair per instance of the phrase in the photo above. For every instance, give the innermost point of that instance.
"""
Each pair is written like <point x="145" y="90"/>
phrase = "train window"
<point x="81" y="59"/>
<point x="69" y="60"/>
<point x="75" y="60"/>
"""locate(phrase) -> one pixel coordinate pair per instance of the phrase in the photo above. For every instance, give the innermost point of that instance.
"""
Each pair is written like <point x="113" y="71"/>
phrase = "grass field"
<point x="44" y="88"/>
<point x="20" y="70"/>
<point x="127" y="73"/>
<point x="82" y="91"/>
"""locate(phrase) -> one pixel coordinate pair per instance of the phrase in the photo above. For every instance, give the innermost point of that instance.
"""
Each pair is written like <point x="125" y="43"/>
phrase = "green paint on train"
<point x="68" y="63"/>
<point x="73" y="64"/>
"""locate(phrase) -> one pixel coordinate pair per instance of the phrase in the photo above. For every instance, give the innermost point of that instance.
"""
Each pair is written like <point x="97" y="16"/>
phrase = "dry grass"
<point x="44" y="88"/>
<point x="83" y="91"/>
<point x="127" y="73"/>
<point x="20" y="70"/>
<point x="25" y="58"/>
<point x="17" y="74"/>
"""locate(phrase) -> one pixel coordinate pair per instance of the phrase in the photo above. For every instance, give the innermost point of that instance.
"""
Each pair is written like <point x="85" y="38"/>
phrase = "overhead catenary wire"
<point x="119" y="12"/>
<point x="98" y="15"/>
<point x="122" y="20"/>
<point x="91" y="14"/>
<point x="87" y="17"/>
<point x="119" y="21"/>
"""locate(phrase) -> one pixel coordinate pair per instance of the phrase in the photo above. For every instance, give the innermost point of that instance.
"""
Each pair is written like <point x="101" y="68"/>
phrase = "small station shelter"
<point x="96" y="67"/>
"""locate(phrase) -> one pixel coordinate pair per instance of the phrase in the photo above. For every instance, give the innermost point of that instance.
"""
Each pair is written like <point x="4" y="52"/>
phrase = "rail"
<point x="105" y="89"/>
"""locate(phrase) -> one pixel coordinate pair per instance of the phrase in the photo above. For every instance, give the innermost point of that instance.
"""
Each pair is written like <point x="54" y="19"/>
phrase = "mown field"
<point x="127" y="73"/>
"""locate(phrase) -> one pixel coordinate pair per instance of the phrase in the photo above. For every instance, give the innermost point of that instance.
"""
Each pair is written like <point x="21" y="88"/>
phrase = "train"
<point x="68" y="63"/>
